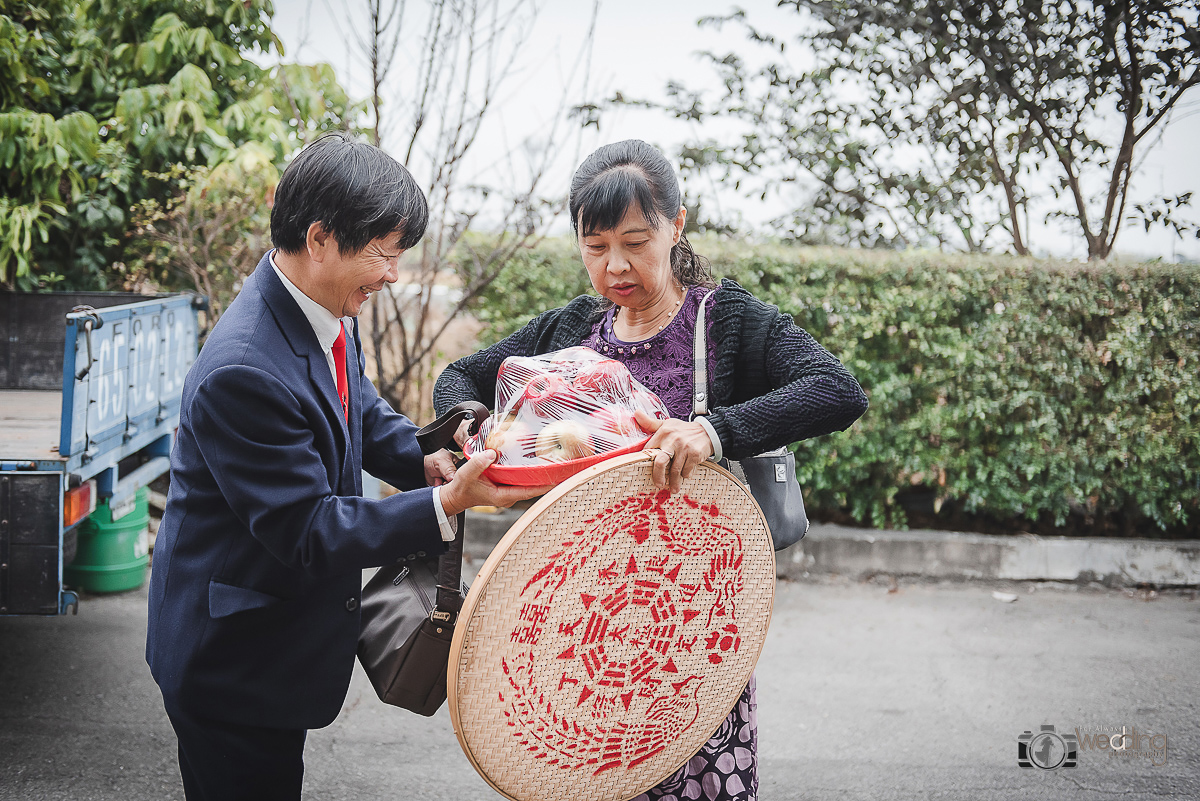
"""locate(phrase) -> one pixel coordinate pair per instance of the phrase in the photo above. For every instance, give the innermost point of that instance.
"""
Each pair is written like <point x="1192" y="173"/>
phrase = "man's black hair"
<point x="356" y="191"/>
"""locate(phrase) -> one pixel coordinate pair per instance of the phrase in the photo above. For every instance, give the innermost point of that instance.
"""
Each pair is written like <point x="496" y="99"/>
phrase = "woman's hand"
<point x="682" y="446"/>
<point x="463" y="433"/>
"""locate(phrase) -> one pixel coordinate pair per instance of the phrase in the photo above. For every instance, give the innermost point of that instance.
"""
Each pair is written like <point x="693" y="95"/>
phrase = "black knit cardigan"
<point x="772" y="384"/>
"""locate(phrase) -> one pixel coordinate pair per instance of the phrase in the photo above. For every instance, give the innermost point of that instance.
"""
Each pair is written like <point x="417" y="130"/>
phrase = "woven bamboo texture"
<point x="610" y="633"/>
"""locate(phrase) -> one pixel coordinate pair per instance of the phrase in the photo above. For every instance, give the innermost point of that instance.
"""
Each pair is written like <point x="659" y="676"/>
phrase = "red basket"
<point x="554" y="473"/>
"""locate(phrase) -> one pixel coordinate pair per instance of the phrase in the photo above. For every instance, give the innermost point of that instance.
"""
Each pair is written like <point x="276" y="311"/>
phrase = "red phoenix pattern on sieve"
<point x="626" y="698"/>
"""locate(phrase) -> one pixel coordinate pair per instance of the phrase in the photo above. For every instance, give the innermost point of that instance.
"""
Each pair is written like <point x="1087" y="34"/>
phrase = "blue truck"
<point x="90" y="385"/>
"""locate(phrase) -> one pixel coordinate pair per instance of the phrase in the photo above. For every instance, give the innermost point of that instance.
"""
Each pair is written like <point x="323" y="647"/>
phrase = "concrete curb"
<point x="953" y="555"/>
<point x="859" y="553"/>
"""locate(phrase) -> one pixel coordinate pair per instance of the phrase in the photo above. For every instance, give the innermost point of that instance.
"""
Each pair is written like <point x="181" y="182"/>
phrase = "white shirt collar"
<point x="324" y="324"/>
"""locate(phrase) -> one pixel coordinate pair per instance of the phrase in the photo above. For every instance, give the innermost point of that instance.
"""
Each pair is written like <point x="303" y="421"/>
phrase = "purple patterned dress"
<point x="726" y="768"/>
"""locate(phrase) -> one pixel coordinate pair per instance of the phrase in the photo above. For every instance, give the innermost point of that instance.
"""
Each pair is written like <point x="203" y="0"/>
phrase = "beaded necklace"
<point x="609" y="342"/>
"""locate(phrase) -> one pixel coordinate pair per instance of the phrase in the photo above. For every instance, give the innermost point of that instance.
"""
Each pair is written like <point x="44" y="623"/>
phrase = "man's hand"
<point x="682" y="445"/>
<point x="470" y="487"/>
<point x="439" y="468"/>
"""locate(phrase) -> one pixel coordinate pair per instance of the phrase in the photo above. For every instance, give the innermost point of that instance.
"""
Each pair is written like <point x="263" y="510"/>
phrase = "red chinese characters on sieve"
<point x="608" y="654"/>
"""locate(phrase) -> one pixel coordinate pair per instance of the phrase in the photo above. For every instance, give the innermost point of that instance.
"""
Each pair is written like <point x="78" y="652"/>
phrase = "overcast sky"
<point x="641" y="45"/>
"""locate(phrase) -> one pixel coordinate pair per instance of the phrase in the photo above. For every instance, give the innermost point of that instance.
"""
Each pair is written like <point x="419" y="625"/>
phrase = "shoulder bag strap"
<point x="432" y="438"/>
<point x="449" y="586"/>
<point x="700" y="363"/>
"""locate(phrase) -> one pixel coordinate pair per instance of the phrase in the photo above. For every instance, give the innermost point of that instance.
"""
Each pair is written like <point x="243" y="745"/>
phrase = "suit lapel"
<point x="300" y="335"/>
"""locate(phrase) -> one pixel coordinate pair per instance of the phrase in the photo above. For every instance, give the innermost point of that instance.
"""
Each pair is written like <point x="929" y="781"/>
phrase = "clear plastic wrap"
<point x="558" y="413"/>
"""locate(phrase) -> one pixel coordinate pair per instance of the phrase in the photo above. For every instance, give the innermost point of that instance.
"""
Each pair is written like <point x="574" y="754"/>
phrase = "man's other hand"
<point x="439" y="468"/>
<point x="470" y="487"/>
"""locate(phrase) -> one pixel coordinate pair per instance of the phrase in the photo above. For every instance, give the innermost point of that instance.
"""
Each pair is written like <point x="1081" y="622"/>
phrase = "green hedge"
<point x="1006" y="394"/>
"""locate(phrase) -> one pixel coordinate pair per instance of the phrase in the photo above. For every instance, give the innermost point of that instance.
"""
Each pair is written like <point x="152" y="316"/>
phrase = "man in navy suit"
<point x="253" y="620"/>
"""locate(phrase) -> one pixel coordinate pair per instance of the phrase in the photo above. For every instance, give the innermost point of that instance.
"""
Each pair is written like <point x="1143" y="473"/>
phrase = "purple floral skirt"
<point x="726" y="768"/>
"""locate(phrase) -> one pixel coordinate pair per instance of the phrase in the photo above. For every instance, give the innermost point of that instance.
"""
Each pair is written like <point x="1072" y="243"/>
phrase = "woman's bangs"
<point x="605" y="200"/>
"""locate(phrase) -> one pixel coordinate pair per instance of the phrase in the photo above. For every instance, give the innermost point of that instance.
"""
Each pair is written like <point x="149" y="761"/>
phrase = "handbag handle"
<point x="440" y="433"/>
<point x="433" y="438"/>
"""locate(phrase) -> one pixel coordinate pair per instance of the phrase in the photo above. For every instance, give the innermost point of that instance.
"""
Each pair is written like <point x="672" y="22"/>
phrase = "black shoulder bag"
<point x="771" y="476"/>
<point x="409" y="608"/>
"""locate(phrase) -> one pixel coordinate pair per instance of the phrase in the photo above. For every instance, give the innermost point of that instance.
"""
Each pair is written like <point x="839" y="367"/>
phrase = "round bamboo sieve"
<point x="610" y="632"/>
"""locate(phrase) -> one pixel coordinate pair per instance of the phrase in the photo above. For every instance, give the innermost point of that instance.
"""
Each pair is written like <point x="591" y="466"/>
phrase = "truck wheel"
<point x="70" y="544"/>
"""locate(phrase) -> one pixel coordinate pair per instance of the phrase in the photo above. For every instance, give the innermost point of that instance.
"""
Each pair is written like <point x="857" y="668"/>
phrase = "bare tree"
<point x="381" y="45"/>
<point x="941" y="122"/>
<point x="466" y="53"/>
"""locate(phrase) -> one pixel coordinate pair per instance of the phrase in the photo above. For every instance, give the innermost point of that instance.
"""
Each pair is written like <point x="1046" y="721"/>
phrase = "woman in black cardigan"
<point x="770" y="383"/>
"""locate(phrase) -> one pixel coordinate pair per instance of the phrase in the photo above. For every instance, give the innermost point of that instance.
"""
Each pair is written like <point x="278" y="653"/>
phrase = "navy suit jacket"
<point x="255" y="587"/>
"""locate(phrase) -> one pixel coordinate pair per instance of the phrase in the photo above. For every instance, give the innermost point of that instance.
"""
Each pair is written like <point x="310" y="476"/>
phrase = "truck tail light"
<point x="79" y="503"/>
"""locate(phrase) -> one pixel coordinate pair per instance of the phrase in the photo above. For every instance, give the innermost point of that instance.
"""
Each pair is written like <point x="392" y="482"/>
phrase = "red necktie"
<point x="339" y="362"/>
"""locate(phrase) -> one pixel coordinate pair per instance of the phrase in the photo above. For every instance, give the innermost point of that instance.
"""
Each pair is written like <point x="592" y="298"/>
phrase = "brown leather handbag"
<point x="409" y="608"/>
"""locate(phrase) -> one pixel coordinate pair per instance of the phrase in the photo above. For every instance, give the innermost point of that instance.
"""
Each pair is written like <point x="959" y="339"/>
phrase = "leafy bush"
<point x="100" y="99"/>
<point x="1006" y="394"/>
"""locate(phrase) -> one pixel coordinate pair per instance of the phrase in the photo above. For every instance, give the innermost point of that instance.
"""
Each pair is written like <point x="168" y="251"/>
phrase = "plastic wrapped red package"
<point x="559" y="413"/>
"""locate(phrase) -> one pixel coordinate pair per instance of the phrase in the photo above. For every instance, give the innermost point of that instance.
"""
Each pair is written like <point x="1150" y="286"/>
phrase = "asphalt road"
<point x="917" y="693"/>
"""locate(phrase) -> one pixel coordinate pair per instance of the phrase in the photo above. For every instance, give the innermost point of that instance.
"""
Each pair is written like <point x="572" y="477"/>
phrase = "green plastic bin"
<point x="112" y="556"/>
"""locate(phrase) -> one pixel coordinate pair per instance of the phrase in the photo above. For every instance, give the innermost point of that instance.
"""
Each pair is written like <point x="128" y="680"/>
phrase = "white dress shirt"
<point x="327" y="327"/>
